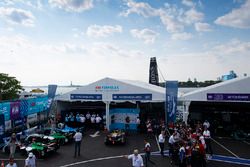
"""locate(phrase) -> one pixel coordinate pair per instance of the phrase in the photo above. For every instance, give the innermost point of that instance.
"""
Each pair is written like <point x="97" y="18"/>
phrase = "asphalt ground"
<point x="94" y="153"/>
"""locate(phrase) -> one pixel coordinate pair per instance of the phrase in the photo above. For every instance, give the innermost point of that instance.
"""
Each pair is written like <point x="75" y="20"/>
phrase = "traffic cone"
<point x="2" y="164"/>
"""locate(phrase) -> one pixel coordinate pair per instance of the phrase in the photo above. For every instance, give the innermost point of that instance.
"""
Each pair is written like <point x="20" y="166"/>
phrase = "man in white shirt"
<point x="78" y="140"/>
<point x="147" y="149"/>
<point x="137" y="160"/>
<point x="161" y="140"/>
<point x="98" y="121"/>
<point x="31" y="160"/>
<point x="171" y="142"/>
<point x="207" y="137"/>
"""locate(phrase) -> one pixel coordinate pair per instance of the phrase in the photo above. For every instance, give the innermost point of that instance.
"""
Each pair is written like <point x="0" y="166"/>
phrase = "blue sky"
<point x="58" y="41"/>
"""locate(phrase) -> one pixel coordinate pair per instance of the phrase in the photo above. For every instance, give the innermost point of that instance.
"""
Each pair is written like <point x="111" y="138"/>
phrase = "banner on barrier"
<point x="7" y="125"/>
<point x="15" y="110"/>
<point x="32" y="118"/>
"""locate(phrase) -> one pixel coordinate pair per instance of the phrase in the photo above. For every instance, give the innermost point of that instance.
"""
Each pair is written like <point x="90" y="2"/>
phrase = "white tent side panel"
<point x="234" y="86"/>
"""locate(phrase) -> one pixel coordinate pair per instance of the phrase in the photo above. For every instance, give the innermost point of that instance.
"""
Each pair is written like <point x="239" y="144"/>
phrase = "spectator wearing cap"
<point x="136" y="158"/>
<point x="31" y="160"/>
<point x="11" y="163"/>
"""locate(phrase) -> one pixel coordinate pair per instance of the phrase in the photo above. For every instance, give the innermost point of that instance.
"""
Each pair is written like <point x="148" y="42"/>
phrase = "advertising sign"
<point x="18" y="122"/>
<point x="32" y="118"/>
<point x="15" y="110"/>
<point x="86" y="96"/>
<point x="132" y="96"/>
<point x="5" y="110"/>
<point x="228" y="97"/>
<point x="2" y="124"/>
<point x="7" y="125"/>
<point x="171" y="101"/>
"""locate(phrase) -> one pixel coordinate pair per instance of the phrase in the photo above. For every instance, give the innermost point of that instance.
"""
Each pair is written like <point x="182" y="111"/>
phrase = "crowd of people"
<point x="190" y="147"/>
<point x="89" y="120"/>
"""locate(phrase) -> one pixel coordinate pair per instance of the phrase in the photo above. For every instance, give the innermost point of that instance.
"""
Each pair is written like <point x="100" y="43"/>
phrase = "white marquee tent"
<point x="108" y="90"/>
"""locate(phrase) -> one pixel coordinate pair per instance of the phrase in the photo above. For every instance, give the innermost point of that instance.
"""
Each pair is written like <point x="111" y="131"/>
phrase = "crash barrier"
<point x="219" y="158"/>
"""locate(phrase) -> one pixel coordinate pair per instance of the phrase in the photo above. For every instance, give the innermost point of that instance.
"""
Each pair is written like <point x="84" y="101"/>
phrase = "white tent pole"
<point x="107" y="115"/>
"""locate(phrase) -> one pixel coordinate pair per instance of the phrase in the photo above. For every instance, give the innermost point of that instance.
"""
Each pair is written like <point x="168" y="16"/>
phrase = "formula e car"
<point x="115" y="137"/>
<point x="40" y="145"/>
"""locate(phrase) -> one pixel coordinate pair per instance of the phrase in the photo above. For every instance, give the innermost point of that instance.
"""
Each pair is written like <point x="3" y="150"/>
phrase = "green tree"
<point x="9" y="87"/>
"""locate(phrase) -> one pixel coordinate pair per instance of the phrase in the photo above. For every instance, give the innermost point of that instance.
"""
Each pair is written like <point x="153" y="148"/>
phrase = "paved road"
<point x="94" y="149"/>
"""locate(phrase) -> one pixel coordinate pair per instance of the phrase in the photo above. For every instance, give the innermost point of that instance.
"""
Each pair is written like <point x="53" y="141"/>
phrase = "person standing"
<point x="182" y="156"/>
<point x="31" y="160"/>
<point x="147" y="149"/>
<point x="207" y="137"/>
<point x="11" y="163"/>
<point x="137" y="160"/>
<point x="161" y="140"/>
<point x="171" y="142"/>
<point x="78" y="140"/>
<point x="12" y="145"/>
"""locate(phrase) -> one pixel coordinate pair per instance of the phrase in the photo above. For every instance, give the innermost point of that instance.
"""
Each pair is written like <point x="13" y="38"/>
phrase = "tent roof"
<point x="237" y="86"/>
<point x="120" y="87"/>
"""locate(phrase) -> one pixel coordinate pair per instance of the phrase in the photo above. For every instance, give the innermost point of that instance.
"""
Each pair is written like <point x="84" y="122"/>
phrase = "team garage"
<point x="225" y="105"/>
<point x="114" y="101"/>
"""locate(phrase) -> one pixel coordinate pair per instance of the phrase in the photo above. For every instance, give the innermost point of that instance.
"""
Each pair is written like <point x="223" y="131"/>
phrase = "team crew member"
<point x="92" y="119"/>
<point x="171" y="142"/>
<point x="98" y="121"/>
<point x="182" y="156"/>
<point x="31" y="160"/>
<point x="207" y="137"/>
<point x="137" y="160"/>
<point x="78" y="140"/>
<point x="161" y="140"/>
<point x="147" y="150"/>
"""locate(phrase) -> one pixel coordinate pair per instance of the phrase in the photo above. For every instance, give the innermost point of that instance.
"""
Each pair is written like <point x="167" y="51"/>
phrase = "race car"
<point x="61" y="138"/>
<point x="69" y="132"/>
<point x="40" y="145"/>
<point x="115" y="137"/>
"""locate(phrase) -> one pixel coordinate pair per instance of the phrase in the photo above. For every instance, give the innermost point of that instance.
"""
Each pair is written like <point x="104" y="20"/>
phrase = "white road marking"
<point x="246" y="142"/>
<point x="225" y="148"/>
<point x="95" y="134"/>
<point x="157" y="143"/>
<point x="91" y="160"/>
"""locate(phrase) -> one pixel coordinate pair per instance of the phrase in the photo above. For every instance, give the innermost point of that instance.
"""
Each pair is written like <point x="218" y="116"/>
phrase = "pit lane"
<point x="95" y="153"/>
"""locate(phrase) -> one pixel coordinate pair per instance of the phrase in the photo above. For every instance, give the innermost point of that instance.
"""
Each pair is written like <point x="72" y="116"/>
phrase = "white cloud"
<point x="72" y="5"/>
<point x="173" y="18"/>
<point x="103" y="31"/>
<point x="189" y="3"/>
<point x="202" y="27"/>
<point x="237" y="18"/>
<point x="147" y="35"/>
<point x="139" y="8"/>
<point x="17" y="16"/>
<point x="181" y="36"/>
<point x="192" y="16"/>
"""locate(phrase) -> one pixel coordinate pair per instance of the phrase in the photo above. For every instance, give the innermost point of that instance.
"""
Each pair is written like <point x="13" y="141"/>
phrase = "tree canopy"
<point x="9" y="87"/>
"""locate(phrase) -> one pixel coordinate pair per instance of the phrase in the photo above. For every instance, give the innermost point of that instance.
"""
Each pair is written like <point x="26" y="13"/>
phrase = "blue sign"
<point x="2" y="124"/>
<point x="132" y="96"/>
<point x="228" y="97"/>
<point x="52" y="91"/>
<point x="5" y="110"/>
<point x="171" y="101"/>
<point x="86" y="96"/>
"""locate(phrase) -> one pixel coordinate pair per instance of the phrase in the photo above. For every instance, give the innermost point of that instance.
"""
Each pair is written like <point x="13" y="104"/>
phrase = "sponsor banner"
<point x="19" y="122"/>
<point x="86" y="96"/>
<point x="7" y="125"/>
<point x="52" y="91"/>
<point x="2" y="125"/>
<point x="132" y="96"/>
<point x="5" y="110"/>
<point x="171" y="101"/>
<point x="37" y="105"/>
<point x="228" y="97"/>
<point x="24" y="107"/>
<point x="107" y="88"/>
<point x="15" y="110"/>
<point x="32" y="118"/>
<point x="118" y="118"/>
